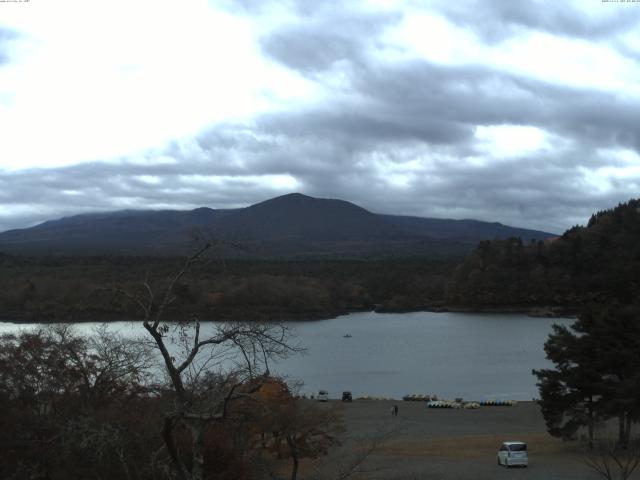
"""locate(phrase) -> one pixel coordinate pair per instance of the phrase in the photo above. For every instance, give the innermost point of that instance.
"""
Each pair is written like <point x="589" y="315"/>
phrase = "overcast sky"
<point x="524" y="112"/>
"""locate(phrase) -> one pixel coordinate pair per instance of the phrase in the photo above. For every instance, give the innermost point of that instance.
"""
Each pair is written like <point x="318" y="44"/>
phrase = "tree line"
<point x="50" y="289"/>
<point x="586" y="264"/>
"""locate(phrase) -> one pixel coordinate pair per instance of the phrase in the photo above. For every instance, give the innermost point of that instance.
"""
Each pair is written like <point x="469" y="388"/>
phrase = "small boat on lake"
<point x="348" y="335"/>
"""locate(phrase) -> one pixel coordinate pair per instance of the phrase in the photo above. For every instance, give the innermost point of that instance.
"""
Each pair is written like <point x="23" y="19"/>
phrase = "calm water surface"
<point x="474" y="356"/>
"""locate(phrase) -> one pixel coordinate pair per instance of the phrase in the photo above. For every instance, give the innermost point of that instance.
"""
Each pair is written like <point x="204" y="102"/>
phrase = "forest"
<point x="597" y="261"/>
<point x="53" y="289"/>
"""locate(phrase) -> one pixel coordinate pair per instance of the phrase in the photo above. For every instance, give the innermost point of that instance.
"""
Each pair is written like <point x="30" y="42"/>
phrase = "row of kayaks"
<point x="433" y="401"/>
<point x="498" y="403"/>
<point x="418" y="397"/>
<point x="372" y="397"/>
<point x="456" y="405"/>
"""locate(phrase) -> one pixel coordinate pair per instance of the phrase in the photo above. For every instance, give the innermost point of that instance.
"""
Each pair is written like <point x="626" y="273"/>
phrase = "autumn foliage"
<point x="89" y="407"/>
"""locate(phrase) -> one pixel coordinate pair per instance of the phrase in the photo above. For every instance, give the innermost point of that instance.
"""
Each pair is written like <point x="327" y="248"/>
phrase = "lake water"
<point x="474" y="356"/>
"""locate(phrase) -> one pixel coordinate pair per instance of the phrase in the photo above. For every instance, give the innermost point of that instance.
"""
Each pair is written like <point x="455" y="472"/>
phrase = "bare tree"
<point x="207" y="372"/>
<point x="610" y="459"/>
<point x="107" y="363"/>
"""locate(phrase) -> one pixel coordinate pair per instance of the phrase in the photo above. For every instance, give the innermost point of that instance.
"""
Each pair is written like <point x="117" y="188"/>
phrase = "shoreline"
<point x="542" y="311"/>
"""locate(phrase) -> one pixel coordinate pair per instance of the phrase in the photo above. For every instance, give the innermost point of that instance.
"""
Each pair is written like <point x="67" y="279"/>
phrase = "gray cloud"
<point x="495" y="20"/>
<point x="438" y="103"/>
<point x="309" y="46"/>
<point x="399" y="137"/>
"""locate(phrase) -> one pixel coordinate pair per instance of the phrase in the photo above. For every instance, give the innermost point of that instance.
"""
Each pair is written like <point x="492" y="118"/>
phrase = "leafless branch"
<point x="610" y="460"/>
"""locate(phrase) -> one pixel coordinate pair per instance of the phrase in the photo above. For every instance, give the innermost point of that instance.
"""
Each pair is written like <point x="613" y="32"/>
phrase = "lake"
<point x="474" y="356"/>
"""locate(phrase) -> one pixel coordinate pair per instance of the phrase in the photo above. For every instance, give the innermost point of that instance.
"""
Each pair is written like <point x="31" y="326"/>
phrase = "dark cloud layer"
<point x="400" y="136"/>
<point x="309" y="46"/>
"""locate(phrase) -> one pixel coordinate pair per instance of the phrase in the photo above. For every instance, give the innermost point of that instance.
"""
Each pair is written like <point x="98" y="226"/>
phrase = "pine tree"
<point x="596" y="374"/>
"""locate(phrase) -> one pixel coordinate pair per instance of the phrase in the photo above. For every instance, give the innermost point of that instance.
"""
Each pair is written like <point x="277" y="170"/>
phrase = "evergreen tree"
<point x="596" y="374"/>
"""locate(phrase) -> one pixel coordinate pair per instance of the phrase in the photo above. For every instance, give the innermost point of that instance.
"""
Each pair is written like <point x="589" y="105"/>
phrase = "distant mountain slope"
<point x="290" y="225"/>
<point x="464" y="230"/>
<point x="123" y="232"/>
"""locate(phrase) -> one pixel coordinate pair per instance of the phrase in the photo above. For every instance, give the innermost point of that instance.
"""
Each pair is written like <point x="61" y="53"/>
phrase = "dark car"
<point x="347" y="397"/>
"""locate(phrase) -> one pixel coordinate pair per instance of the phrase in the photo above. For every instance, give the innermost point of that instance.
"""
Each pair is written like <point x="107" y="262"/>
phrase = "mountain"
<point x="286" y="226"/>
<point x="299" y="217"/>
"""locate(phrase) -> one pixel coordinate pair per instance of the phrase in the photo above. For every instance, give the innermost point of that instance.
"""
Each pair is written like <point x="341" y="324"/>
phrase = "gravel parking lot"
<point x="446" y="444"/>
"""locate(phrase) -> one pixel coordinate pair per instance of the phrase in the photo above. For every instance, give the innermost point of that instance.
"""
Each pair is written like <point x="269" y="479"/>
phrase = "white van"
<point x="513" y="454"/>
<point x="323" y="396"/>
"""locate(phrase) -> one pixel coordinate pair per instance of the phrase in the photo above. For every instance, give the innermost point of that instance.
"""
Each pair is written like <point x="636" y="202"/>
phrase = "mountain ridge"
<point x="286" y="226"/>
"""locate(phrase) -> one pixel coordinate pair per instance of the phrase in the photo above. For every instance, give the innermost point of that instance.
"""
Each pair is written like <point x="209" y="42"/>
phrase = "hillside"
<point x="119" y="233"/>
<point x="591" y="263"/>
<point x="289" y="226"/>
